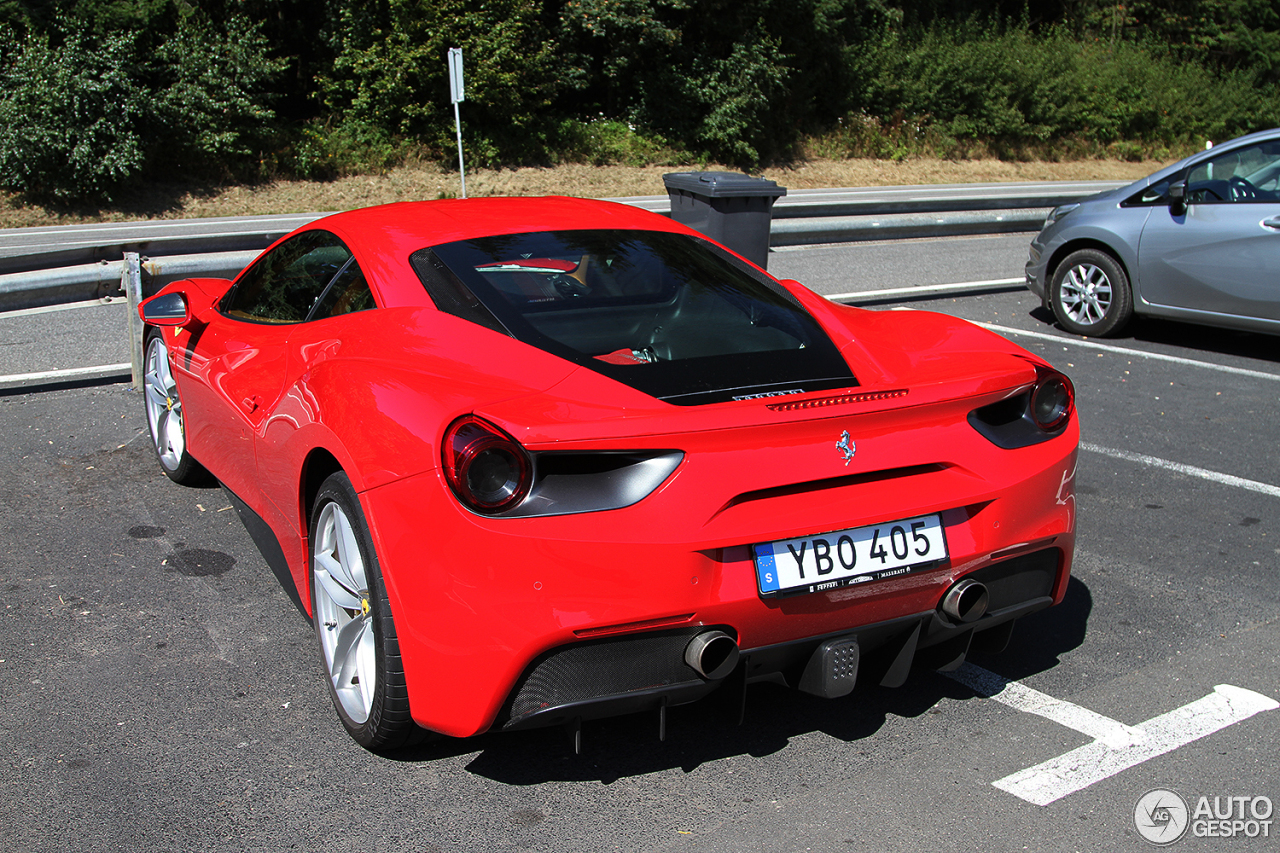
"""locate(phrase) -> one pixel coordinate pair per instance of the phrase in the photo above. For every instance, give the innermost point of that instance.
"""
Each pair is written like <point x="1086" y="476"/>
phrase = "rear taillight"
<point x="1041" y="413"/>
<point x="1052" y="399"/>
<point x="486" y="468"/>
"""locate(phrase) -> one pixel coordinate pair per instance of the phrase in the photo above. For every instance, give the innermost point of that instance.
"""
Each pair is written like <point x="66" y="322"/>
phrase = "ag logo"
<point x="847" y="447"/>
<point x="1161" y="817"/>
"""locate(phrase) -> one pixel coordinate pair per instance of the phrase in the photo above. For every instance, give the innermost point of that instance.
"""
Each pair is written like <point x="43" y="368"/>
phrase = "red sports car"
<point x="533" y="461"/>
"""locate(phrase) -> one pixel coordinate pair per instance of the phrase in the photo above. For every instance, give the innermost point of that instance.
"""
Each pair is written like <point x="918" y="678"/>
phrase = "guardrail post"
<point x="131" y="284"/>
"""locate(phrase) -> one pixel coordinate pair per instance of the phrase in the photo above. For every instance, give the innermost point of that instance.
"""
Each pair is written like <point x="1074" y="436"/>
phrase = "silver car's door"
<point x="1223" y="254"/>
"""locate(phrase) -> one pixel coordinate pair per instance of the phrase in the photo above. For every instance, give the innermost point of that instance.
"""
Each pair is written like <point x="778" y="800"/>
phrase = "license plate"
<point x="831" y="560"/>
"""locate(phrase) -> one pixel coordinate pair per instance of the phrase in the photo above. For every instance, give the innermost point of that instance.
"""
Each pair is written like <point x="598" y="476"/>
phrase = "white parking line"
<point x="927" y="289"/>
<point x="1081" y="767"/>
<point x="1152" y="356"/>
<point x="70" y="306"/>
<point x="68" y="375"/>
<point x="1023" y="698"/>
<point x="1188" y="470"/>
<point x="1116" y="747"/>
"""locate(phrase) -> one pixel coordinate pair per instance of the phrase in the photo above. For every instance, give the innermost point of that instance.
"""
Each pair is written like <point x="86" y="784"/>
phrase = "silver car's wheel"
<point x="1086" y="294"/>
<point x="164" y="415"/>
<point x="1090" y="294"/>
<point x="353" y="622"/>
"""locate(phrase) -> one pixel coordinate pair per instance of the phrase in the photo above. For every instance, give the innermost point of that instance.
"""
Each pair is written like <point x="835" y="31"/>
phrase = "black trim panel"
<point x="269" y="546"/>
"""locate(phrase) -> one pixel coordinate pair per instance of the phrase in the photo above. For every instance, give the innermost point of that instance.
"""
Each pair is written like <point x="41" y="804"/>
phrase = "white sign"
<point x="457" y="93"/>
<point x="456" y="90"/>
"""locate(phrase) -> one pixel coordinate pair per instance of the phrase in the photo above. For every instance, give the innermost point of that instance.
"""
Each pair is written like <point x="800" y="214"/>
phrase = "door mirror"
<point x="1178" y="198"/>
<point x="166" y="309"/>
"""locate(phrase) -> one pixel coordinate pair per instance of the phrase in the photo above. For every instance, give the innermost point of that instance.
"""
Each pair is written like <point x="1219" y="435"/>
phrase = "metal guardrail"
<point x="75" y="264"/>
<point x="83" y="268"/>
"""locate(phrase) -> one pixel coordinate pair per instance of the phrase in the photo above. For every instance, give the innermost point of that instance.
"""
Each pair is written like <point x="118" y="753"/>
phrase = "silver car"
<point x="1197" y="241"/>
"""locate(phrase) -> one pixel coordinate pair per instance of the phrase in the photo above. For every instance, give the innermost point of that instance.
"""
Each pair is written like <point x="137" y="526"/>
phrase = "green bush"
<point x="608" y="142"/>
<point x="71" y="116"/>
<point x="391" y="73"/>
<point x="863" y="135"/>
<point x="734" y="100"/>
<point x="736" y="82"/>
<point x="80" y="115"/>
<point x="321" y="151"/>
<point x="1013" y="87"/>
<point x="213" y="109"/>
<point x="323" y="88"/>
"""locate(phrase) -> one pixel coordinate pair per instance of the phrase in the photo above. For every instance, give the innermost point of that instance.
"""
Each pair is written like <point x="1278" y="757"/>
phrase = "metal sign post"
<point x="457" y="94"/>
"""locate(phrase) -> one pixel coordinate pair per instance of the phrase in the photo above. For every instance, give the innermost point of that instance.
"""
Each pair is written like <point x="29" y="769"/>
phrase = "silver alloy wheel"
<point x="164" y="407"/>
<point x="343" y="616"/>
<point x="1085" y="294"/>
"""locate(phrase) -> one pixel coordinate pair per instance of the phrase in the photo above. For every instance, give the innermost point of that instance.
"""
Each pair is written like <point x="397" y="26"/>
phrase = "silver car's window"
<point x="1157" y="193"/>
<point x="1243" y="175"/>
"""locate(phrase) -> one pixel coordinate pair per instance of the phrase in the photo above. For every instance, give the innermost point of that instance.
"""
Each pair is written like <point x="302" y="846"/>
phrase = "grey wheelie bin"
<point x="730" y="208"/>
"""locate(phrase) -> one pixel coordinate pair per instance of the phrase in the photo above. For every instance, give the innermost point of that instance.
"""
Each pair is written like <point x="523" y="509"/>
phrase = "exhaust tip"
<point x="966" y="601"/>
<point x="712" y="654"/>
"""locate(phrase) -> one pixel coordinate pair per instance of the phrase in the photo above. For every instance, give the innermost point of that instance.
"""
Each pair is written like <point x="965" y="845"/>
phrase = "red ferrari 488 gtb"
<point x="532" y="461"/>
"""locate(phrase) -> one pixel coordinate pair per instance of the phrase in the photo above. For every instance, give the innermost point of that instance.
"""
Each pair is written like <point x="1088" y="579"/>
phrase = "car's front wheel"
<point x="1090" y="294"/>
<point x="164" y="415"/>
<point x="353" y="621"/>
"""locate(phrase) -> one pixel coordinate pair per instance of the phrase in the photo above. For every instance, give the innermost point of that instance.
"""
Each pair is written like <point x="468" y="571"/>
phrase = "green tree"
<point x="738" y="81"/>
<point x="217" y="83"/>
<point x="1010" y="85"/>
<point x="71" y="116"/>
<point x="390" y="73"/>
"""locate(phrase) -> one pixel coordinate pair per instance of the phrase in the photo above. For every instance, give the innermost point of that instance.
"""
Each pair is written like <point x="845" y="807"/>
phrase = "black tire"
<point x="165" y="420"/>
<point x="1090" y="294"/>
<point x="354" y="625"/>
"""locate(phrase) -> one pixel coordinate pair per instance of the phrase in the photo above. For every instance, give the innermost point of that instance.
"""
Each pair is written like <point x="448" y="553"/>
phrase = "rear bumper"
<point x="480" y="603"/>
<point x="646" y="671"/>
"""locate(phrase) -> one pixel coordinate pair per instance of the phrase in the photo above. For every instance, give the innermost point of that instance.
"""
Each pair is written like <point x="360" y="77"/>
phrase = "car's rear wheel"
<point x="164" y="415"/>
<point x="1090" y="294"/>
<point x="353" y="621"/>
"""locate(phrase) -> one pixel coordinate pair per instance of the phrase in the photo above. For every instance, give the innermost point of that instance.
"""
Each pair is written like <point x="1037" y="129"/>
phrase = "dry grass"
<point x="429" y="181"/>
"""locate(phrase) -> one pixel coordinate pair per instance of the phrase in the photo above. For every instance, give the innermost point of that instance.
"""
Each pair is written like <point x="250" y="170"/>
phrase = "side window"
<point x="285" y="285"/>
<point x="1249" y="174"/>
<point x="346" y="294"/>
<point x="1157" y="193"/>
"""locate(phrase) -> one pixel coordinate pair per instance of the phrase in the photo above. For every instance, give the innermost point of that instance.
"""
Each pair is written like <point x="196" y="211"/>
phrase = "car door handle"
<point x="250" y="403"/>
<point x="1273" y="222"/>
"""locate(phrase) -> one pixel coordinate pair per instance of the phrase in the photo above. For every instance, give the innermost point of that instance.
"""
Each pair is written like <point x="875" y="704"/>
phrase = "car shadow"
<point x="1155" y="330"/>
<point x="707" y="731"/>
<point x="62" y="385"/>
<point x="1254" y="345"/>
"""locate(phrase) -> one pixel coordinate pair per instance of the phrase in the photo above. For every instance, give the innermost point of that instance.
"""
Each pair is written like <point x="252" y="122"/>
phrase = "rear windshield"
<point x="668" y="314"/>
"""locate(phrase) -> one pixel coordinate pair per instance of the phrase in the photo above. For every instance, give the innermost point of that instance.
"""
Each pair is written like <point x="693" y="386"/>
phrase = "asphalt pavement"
<point x="158" y="690"/>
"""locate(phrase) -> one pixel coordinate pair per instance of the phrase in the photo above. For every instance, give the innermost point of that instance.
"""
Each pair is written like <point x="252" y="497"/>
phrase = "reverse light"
<point x="486" y="468"/>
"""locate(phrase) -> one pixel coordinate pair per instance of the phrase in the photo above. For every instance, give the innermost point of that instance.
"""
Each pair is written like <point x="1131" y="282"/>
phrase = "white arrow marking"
<point x="1116" y="746"/>
<point x="1023" y="698"/>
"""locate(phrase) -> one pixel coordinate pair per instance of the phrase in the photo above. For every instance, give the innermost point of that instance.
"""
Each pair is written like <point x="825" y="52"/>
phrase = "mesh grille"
<point x="1020" y="579"/>
<point x="605" y="668"/>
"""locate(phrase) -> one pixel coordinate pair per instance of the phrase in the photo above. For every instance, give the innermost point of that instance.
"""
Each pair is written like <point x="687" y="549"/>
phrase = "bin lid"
<point x="722" y="184"/>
